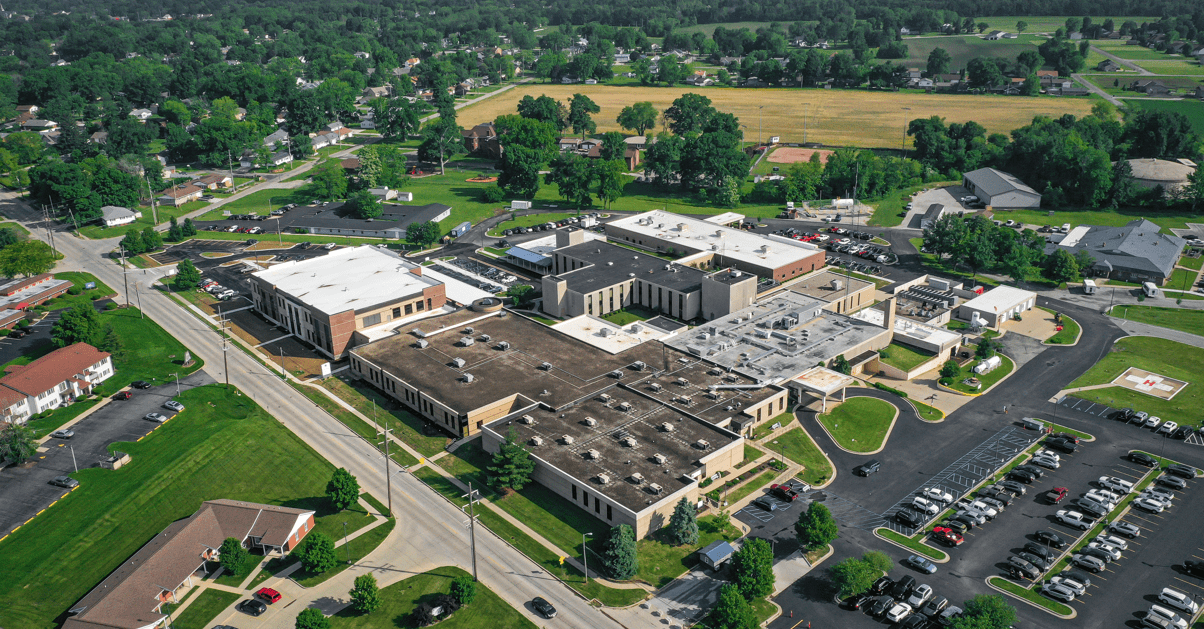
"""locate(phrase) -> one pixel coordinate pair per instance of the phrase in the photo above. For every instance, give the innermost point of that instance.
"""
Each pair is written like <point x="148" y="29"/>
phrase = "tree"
<point x="950" y="369"/>
<point x="329" y="180"/>
<point x="1017" y="263"/>
<point x="613" y="146"/>
<point x="879" y="560"/>
<point x="187" y="275"/>
<point x="80" y="324"/>
<point x="986" y="611"/>
<point x="188" y="229"/>
<point x="443" y="139"/>
<point x="17" y="443"/>
<point x="619" y="559"/>
<point x="174" y="234"/>
<point x="1194" y="190"/>
<point x="111" y="341"/>
<point x="841" y="364"/>
<point x="1031" y="86"/>
<point x="638" y="117"/>
<point x="1021" y="25"/>
<point x="978" y="250"/>
<point x="983" y="72"/>
<point x="688" y="113"/>
<point x="364" y="204"/>
<point x="512" y="464"/>
<point x="752" y="568"/>
<point x="611" y="181"/>
<point x="853" y="576"/>
<point x="26" y="258"/>
<point x="987" y="348"/>
<point x="816" y="528"/>
<point x="683" y="524"/>
<point x="581" y="110"/>
<point x="464" y="589"/>
<point x="520" y="171"/>
<point x="317" y="553"/>
<point x="423" y="234"/>
<point x="938" y="61"/>
<point x="343" y="490"/>
<point x="732" y="611"/>
<point x="151" y="240"/>
<point x="311" y="618"/>
<point x="365" y="595"/>
<point x="132" y="243"/>
<point x="1061" y="267"/>
<point x="573" y="176"/>
<point x="520" y="293"/>
<point x="982" y="26"/>
<point x="233" y="557"/>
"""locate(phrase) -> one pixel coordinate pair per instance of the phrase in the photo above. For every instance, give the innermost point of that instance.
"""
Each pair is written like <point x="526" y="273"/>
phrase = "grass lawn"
<point x="1114" y="218"/>
<point x="405" y="425"/>
<point x="927" y="413"/>
<point x="165" y="213"/>
<point x="987" y="379"/>
<point x="1192" y="263"/>
<point x="223" y="446"/>
<point x="399" y="600"/>
<point x="147" y="352"/>
<point x="60" y="416"/>
<point x="1030" y="595"/>
<point x="359" y="548"/>
<point x="1167" y="358"/>
<point x="1045" y="23"/>
<point x="258" y="203"/>
<point x="661" y="562"/>
<point x="859" y="424"/>
<point x="1181" y="279"/>
<point x="798" y="446"/>
<point x="913" y="544"/>
<point x="1191" y="321"/>
<point x="889" y="212"/>
<point x="528" y="221"/>
<point x="353" y="422"/>
<point x="751" y="486"/>
<point x="751" y="453"/>
<point x="17" y="228"/>
<point x="629" y="315"/>
<point x="963" y="48"/>
<point x="1070" y="330"/>
<point x="204" y="609"/>
<point x="903" y="357"/>
<point x="1193" y="111"/>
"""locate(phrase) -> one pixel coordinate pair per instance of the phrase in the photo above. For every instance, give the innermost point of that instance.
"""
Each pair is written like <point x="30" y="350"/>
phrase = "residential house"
<point x="1075" y="36"/>
<point x="903" y="30"/>
<point x="483" y="139"/>
<point x="384" y="194"/>
<point x="324" y="139"/>
<point x="368" y="120"/>
<point x="40" y="126"/>
<point x="362" y="55"/>
<point x="995" y="35"/>
<point x="925" y="83"/>
<point x="181" y="194"/>
<point x="141" y="114"/>
<point x="56" y="379"/>
<point x="638" y="142"/>
<point x="1069" y="90"/>
<point x="100" y="137"/>
<point x="113" y="215"/>
<point x="279" y="136"/>
<point x="1108" y="65"/>
<point x="568" y="80"/>
<point x="240" y="113"/>
<point x="31" y="110"/>
<point x="1150" y="87"/>
<point x="377" y="92"/>
<point x="281" y="158"/>
<point x="567" y="144"/>
<point x="623" y="57"/>
<point x="214" y="182"/>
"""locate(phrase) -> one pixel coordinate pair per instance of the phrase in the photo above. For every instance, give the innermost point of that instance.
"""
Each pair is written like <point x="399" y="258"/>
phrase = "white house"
<point x="113" y="215"/>
<point x="384" y="194"/>
<point x="141" y="114"/>
<point x="55" y="379"/>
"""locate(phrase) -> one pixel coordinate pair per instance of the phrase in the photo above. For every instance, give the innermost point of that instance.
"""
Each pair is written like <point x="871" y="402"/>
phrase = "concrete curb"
<point x="1076" y="339"/>
<point x="885" y="438"/>
<point x="1073" y="612"/>
<point x="912" y="550"/>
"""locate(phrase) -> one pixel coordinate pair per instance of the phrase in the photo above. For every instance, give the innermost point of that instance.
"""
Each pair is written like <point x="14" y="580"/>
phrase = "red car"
<point x="947" y="536"/>
<point x="269" y="595"/>
<point x="785" y="492"/>
<point x="123" y="395"/>
<point x="1056" y="495"/>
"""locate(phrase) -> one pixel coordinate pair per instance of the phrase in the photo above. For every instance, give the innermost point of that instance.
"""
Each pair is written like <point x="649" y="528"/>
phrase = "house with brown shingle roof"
<point x="213" y="182"/>
<point x="132" y="597"/>
<point x="181" y="194"/>
<point x="55" y="379"/>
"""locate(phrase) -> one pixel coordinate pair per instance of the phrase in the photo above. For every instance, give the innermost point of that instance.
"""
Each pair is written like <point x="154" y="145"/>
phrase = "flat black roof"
<point x="732" y="394"/>
<point x="394" y="216"/>
<point x="612" y="264"/>
<point x="602" y="450"/>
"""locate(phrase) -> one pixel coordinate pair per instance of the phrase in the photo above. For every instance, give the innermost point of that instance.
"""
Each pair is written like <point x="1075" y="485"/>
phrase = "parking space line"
<point x="1198" y="587"/>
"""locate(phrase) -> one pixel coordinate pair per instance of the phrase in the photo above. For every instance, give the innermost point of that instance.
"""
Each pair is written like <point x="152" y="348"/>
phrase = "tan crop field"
<point x="834" y="117"/>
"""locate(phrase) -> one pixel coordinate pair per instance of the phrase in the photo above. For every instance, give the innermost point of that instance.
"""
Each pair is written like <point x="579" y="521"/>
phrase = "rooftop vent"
<point x="655" y="386"/>
<point x="605" y="397"/>
<point x="713" y="394"/>
<point x="467" y="341"/>
<point x="667" y="427"/>
<point x="702" y="444"/>
<point x="660" y="459"/>
<point x="636" y="329"/>
<point x="654" y="488"/>
<point x="639" y="365"/>
<point x="624" y="407"/>
<point x="567" y="439"/>
<point x="527" y="419"/>
<point x="602" y="479"/>
<point x="590" y="421"/>
<point x="422" y="344"/>
<point x="468" y="330"/>
<point x="636" y="478"/>
<point x="628" y="441"/>
<point x="458" y="362"/>
<point x="593" y="454"/>
<point x="537" y="440"/>
<point x="546" y="366"/>
<point x="503" y="345"/>
<point x="683" y="382"/>
<point x="469" y="377"/>
<point x="485" y="338"/>
<point x="616" y="374"/>
<point x="681" y="399"/>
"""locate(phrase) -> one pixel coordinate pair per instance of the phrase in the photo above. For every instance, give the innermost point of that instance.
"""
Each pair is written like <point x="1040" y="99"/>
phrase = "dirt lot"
<point x="834" y="117"/>
<point x="793" y="155"/>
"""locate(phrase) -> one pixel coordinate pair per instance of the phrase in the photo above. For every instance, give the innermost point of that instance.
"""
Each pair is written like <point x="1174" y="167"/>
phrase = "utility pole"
<point x="346" y="543"/>
<point x="806" y="106"/>
<point x="49" y="231"/>
<point x="138" y="293"/>
<point x="388" y="476"/>
<point x="585" y="554"/>
<point x="124" y="276"/>
<point x="73" y="459"/>
<point x="759" y="124"/>
<point x="151" y="193"/>
<point x="225" y="346"/>
<point x="472" y="528"/>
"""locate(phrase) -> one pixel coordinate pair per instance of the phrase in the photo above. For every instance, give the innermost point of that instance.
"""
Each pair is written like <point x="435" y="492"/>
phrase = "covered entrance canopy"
<point x="822" y="382"/>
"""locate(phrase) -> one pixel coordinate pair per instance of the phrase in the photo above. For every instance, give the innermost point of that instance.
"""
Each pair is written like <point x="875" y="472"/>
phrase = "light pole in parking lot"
<point x="177" y="375"/>
<point x="585" y="554"/>
<point x="346" y="543"/>
<point x="388" y="477"/>
<point x="138" y="292"/>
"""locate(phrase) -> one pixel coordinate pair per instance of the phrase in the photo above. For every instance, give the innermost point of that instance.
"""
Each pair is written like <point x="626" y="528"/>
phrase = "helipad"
<point x="1149" y="383"/>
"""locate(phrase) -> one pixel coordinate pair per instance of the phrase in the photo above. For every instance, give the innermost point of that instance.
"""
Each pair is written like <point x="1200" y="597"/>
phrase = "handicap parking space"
<point x="1087" y="407"/>
<point x="758" y="516"/>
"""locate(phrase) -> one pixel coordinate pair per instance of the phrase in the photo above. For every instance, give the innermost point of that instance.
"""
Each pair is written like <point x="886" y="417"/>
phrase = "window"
<point x="428" y="304"/>
<point x="597" y="506"/>
<point x="410" y="308"/>
<point x="574" y="492"/>
<point x="371" y="320"/>
<point x="397" y="312"/>
<point x="585" y="496"/>
<point x="609" y="516"/>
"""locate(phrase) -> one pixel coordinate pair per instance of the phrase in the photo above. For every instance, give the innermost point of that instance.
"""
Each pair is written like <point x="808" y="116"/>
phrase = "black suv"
<point x="252" y="607"/>
<point x="1123" y="414"/>
<point x="881" y="585"/>
<point x="909" y="517"/>
<point x="867" y="468"/>
<point x="1182" y="471"/>
<point x="1141" y="458"/>
<point x="1062" y="445"/>
<point x="1051" y="538"/>
<point x="1023" y="476"/>
<point x="902" y="587"/>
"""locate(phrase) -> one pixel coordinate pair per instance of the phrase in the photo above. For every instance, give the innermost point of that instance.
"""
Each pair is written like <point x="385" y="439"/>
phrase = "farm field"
<point x="963" y="48"/>
<point x="1173" y="65"/>
<point x="1125" y="51"/>
<point x="1047" y="23"/>
<point x="1193" y="110"/>
<point x="835" y="117"/>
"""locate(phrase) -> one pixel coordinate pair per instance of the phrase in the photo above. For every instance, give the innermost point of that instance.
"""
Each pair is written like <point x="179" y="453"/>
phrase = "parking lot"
<point x="26" y="491"/>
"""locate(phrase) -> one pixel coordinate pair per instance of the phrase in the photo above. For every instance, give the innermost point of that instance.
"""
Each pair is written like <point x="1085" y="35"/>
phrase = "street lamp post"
<point x="472" y="528"/>
<point x="388" y="477"/>
<point x="346" y="543"/>
<point x="177" y="375"/>
<point x="585" y="554"/>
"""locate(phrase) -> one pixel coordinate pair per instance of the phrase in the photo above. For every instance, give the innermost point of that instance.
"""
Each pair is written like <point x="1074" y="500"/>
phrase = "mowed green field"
<point x="1194" y="110"/>
<point x="1047" y="23"/>
<point x="223" y="446"/>
<point x="1160" y="356"/>
<point x="1173" y="66"/>
<point x="963" y="48"/>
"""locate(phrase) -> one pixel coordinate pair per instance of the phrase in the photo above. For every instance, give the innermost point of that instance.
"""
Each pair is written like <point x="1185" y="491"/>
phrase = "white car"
<point x="1060" y="592"/>
<point x="925" y="506"/>
<point x="1046" y="452"/>
<point x="1074" y="518"/>
<point x="1113" y="483"/>
<point x="173" y="405"/>
<point x="1179" y="600"/>
<point x="1175" y="620"/>
<point x="1113" y="540"/>
<point x="1071" y="584"/>
<point x="1167" y="427"/>
<point x="1153" y="506"/>
<point x="984" y="508"/>
<point x="936" y="494"/>
<point x="1102" y="497"/>
<point x="919" y="596"/>
<point x="1106" y="548"/>
<point x="1158" y="492"/>
<point x="898" y="612"/>
<point x="1163" y="503"/>
<point x="1046" y="462"/>
<point x="1153" y="421"/>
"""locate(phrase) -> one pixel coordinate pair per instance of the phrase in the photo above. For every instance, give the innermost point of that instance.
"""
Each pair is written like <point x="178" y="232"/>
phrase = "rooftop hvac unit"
<point x="468" y="330"/>
<point x="683" y="382"/>
<point x="422" y="344"/>
<point x="605" y="397"/>
<point x="592" y="454"/>
<point x="546" y="366"/>
<point x="702" y="444"/>
<point x="681" y="399"/>
<point x="625" y="407"/>
<point x="467" y="341"/>
<point x="636" y="329"/>
<point x="713" y="394"/>
<point x="485" y="338"/>
<point x="654" y="488"/>
<point x="567" y="439"/>
<point x="468" y="377"/>
<point x="655" y="386"/>
<point x="628" y="441"/>
<point x="458" y="362"/>
<point x="590" y="421"/>
<point x="660" y="459"/>
<point x="639" y="365"/>
<point x="537" y="440"/>
<point x="715" y="371"/>
<point x="636" y="477"/>
<point x="603" y="479"/>
<point x="503" y="345"/>
<point x="527" y="419"/>
<point x="616" y="373"/>
<point x="667" y="427"/>
<point x="605" y="332"/>
<point x="732" y="377"/>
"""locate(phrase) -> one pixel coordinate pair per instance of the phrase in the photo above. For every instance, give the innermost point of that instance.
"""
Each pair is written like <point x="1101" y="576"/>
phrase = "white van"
<point x="1178" y="600"/>
<point x="1149" y="289"/>
<point x="1089" y="287"/>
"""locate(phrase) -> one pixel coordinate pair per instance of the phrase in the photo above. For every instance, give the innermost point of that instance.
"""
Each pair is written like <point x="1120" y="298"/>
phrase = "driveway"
<point x="947" y="197"/>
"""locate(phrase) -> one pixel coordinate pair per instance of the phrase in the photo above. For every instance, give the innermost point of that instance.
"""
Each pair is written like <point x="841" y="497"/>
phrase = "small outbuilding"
<point x="113" y="215"/>
<point x="997" y="305"/>
<point x="998" y="189"/>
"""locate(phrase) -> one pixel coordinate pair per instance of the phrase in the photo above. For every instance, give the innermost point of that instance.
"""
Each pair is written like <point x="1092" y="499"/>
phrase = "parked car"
<point x="1051" y="539"/>
<point x="1153" y="506"/>
<point x="1059" y="592"/>
<point x="1056" y="495"/>
<point x="1014" y="487"/>
<point x="1103" y="497"/>
<point x="173" y="406"/>
<point x="902" y="587"/>
<point x="935" y="606"/>
<point x="1126" y="529"/>
<point x="1066" y="436"/>
<point x="140" y="384"/>
<point x="1179" y="601"/>
<point x="924" y="505"/>
<point x="1107" y="549"/>
<point x="1173" y="482"/>
<point x="268" y="595"/>
<point x="947" y="536"/>
<point x="1114" y="541"/>
<point x="155" y="417"/>
<point x="909" y="516"/>
<point x="1090" y="564"/>
<point x="1194" y="568"/>
<point x="919" y="563"/>
<point x="1091" y="507"/>
<point x="1167" y="427"/>
<point x="64" y="481"/>
<point x="898" y="612"/>
<point x="543" y="607"/>
<point x="766" y="503"/>
<point x="1098" y="553"/>
<point x="936" y="494"/>
<point x="880" y="606"/>
<point x="1115" y="484"/>
<point x="784" y="492"/>
<point x="1074" y="519"/>
<point x="1046" y="462"/>
<point x="1031" y="469"/>
<point x="881" y="585"/>
<point x="1164" y="615"/>
<point x="1022" y="568"/>
<point x="867" y="468"/>
<point x="1038" y="550"/>
<point x="1022" y="476"/>
<point x="1142" y="458"/>
<point x="1182" y="471"/>
<point x="1062" y="445"/>
<point x="62" y="433"/>
<point x="1040" y="562"/>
